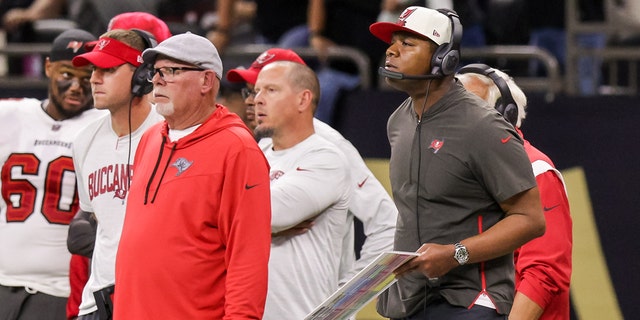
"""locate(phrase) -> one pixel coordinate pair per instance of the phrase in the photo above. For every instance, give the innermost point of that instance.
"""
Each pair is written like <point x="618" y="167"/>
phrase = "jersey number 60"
<point x="53" y="187"/>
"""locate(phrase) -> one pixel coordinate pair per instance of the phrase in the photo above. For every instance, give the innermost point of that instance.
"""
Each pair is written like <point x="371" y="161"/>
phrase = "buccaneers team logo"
<point x="182" y="165"/>
<point x="75" y="45"/>
<point x="276" y="174"/>
<point x="110" y="179"/>
<point x="402" y="20"/>
<point x="436" y="144"/>
<point x="262" y="59"/>
<point x="102" y="44"/>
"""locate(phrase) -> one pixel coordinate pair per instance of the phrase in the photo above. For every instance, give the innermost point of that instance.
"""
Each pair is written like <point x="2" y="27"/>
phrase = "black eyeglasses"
<point x="246" y="93"/>
<point x="167" y="74"/>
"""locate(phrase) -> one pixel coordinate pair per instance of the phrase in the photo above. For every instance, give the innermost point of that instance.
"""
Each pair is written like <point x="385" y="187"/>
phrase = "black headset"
<point x="505" y="104"/>
<point x="139" y="83"/>
<point x="446" y="58"/>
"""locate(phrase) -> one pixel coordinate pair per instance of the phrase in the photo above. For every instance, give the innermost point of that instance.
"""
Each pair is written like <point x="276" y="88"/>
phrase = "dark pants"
<point x="442" y="310"/>
<point x="17" y="303"/>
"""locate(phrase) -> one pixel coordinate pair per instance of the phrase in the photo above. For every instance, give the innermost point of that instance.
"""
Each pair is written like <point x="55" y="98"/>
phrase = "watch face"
<point x="461" y="254"/>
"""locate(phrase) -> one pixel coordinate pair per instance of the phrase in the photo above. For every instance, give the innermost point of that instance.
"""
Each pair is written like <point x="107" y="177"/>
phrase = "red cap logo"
<point x="262" y="59"/>
<point x="102" y="44"/>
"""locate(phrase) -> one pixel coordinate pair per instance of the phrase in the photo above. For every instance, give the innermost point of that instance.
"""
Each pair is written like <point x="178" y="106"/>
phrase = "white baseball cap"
<point x="422" y="21"/>
<point x="190" y="48"/>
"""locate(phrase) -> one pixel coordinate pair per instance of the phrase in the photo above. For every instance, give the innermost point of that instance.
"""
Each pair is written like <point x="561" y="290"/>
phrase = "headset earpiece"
<point x="509" y="110"/>
<point x="447" y="56"/>
<point x="148" y="38"/>
<point x="139" y="84"/>
<point x="505" y="104"/>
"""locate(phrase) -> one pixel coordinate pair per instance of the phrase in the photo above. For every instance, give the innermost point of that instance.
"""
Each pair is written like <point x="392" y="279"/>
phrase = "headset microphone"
<point x="401" y="76"/>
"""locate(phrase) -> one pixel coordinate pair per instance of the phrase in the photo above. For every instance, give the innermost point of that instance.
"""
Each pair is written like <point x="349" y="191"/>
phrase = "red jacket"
<point x="543" y="265"/>
<point x="197" y="231"/>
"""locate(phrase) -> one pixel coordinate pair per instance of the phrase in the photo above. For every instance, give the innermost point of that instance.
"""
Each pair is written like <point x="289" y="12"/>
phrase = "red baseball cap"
<point x="108" y="53"/>
<point x="143" y="21"/>
<point x="251" y="75"/>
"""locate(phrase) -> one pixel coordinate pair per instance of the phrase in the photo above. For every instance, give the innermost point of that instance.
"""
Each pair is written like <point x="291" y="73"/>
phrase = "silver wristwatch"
<point x="461" y="254"/>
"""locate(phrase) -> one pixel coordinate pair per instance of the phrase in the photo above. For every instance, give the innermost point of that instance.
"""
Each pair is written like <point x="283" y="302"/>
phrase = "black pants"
<point x="17" y="303"/>
<point x="442" y="310"/>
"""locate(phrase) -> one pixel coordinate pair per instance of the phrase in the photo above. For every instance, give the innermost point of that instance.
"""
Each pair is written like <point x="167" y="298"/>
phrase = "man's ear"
<point x="209" y="81"/>
<point x="305" y="100"/>
<point x="47" y="67"/>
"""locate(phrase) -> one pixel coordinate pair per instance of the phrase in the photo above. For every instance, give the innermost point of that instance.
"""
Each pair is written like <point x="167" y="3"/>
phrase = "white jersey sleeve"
<point x="305" y="180"/>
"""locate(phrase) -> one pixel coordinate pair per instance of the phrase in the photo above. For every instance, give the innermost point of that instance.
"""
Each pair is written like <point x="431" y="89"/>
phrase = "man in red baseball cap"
<point x="119" y="84"/>
<point x="250" y="75"/>
<point x="367" y="191"/>
<point x="160" y="31"/>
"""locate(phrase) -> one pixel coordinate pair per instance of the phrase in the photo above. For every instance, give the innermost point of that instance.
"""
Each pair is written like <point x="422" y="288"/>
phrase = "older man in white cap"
<point x="197" y="231"/>
<point x="460" y="178"/>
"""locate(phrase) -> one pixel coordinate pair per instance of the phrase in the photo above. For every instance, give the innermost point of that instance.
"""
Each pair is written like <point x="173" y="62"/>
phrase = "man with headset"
<point x="460" y="178"/>
<point x="543" y="265"/>
<point x="103" y="152"/>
